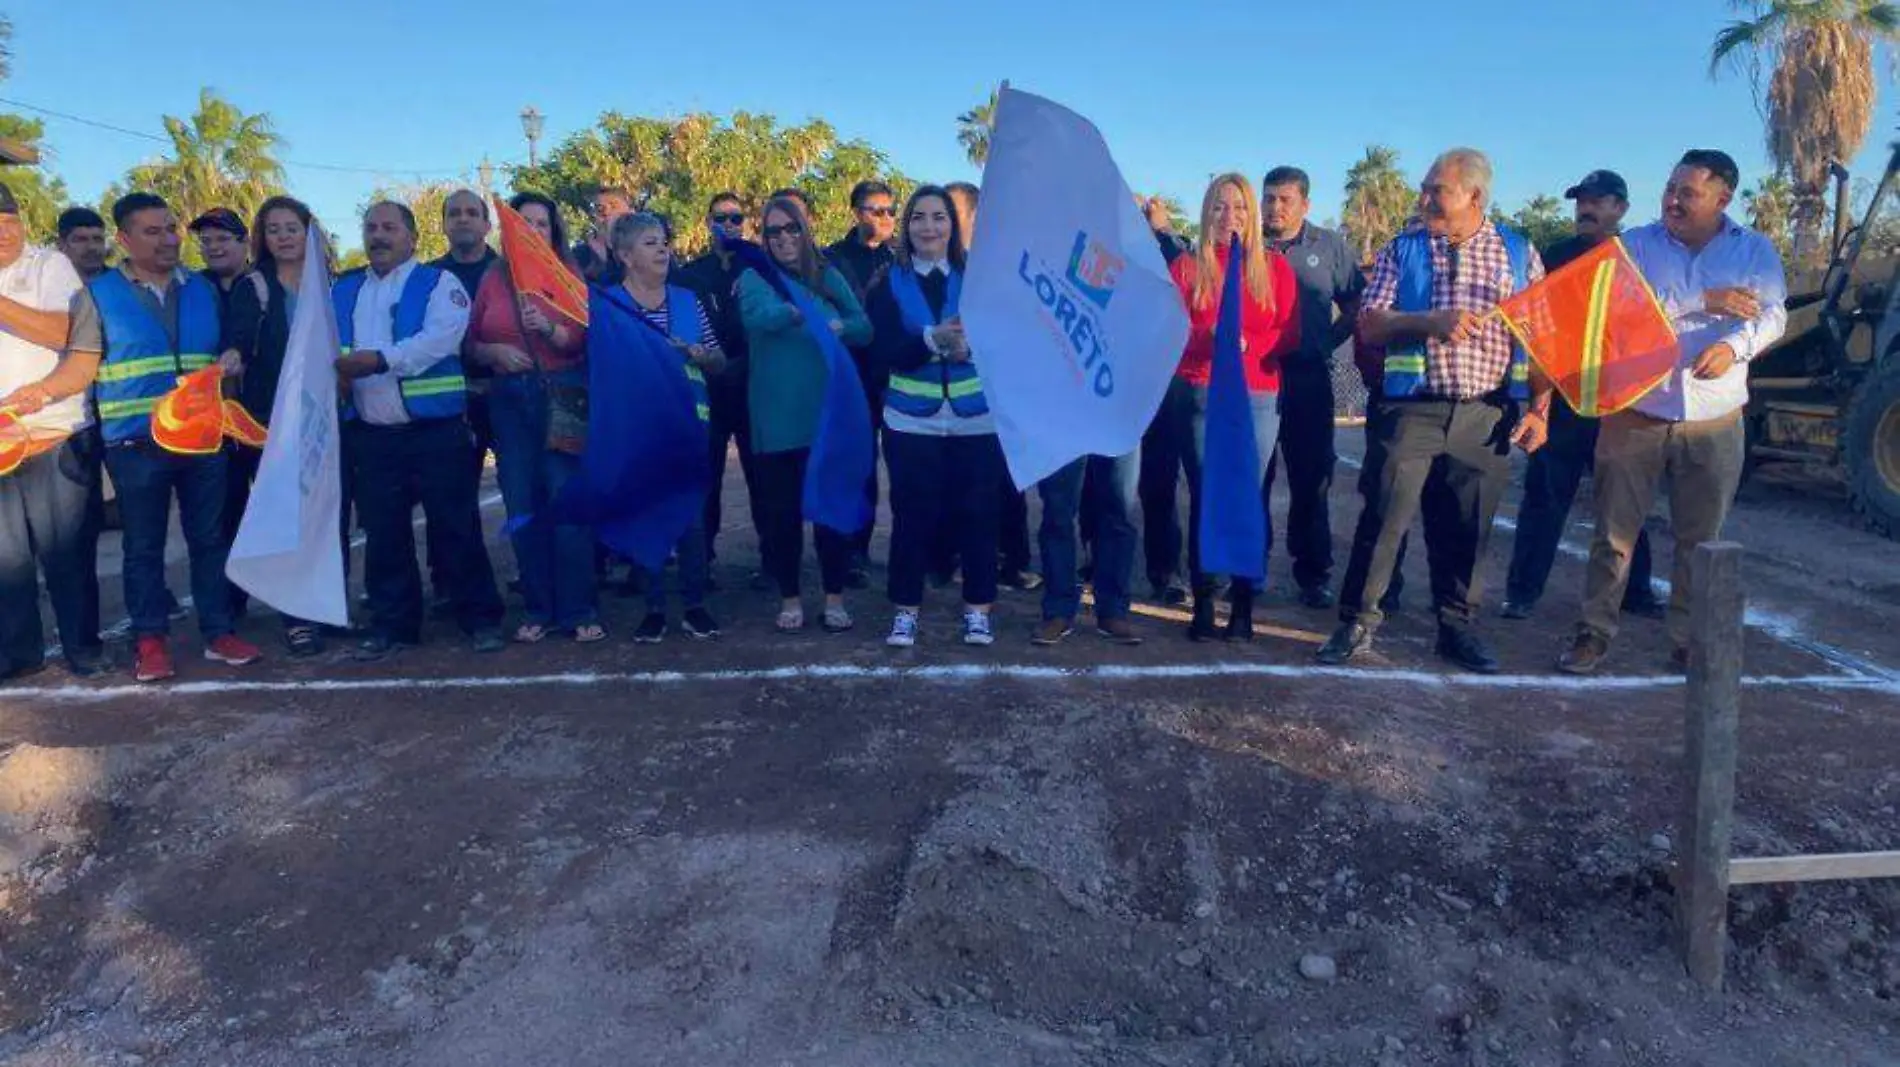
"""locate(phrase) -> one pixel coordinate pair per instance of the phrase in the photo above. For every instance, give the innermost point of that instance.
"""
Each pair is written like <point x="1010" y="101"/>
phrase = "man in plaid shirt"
<point x="1449" y="407"/>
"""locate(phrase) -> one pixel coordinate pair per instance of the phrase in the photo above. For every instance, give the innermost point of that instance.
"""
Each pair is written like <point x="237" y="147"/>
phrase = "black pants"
<point x="938" y="482"/>
<point x="876" y="382"/>
<point x="241" y="465"/>
<point x="1550" y="487"/>
<point x="395" y="468"/>
<point x="730" y="421"/>
<point x="43" y="533"/>
<point x="1306" y="449"/>
<point x="781" y="502"/>
<point x="1012" y="528"/>
<point x="482" y="429"/>
<point x="1160" y="493"/>
<point x="1449" y="462"/>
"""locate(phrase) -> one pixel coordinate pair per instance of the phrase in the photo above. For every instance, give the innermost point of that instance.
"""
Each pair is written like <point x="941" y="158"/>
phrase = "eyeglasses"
<point x="878" y="212"/>
<point x="734" y="218"/>
<point x="790" y="229"/>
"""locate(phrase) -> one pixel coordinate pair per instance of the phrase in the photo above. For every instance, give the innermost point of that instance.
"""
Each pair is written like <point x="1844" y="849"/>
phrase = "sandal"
<point x="589" y="632"/>
<point x="790" y="622"/>
<point x="837" y="619"/>
<point x="530" y="633"/>
<point x="303" y="641"/>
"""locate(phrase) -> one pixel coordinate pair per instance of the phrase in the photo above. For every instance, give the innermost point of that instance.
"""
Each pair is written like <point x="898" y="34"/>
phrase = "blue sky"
<point x="423" y="89"/>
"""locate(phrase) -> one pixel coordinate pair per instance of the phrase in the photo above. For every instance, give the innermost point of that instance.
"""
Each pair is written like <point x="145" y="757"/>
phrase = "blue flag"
<point x="646" y="469"/>
<point x="842" y="456"/>
<point x="1233" y="516"/>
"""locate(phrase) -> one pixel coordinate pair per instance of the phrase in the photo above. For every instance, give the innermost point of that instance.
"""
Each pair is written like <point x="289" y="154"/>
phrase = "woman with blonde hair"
<point x="1269" y="329"/>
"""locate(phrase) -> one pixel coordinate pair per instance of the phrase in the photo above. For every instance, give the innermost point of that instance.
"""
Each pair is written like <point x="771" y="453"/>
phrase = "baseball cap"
<point x="1599" y="183"/>
<point x="219" y="218"/>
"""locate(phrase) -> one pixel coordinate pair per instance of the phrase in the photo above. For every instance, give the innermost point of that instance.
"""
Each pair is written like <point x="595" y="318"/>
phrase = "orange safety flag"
<point x="14" y="442"/>
<point x="194" y="418"/>
<point x="537" y="270"/>
<point x="1596" y="330"/>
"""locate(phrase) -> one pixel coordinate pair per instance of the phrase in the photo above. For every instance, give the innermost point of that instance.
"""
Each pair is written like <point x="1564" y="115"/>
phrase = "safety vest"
<point x="1405" y="360"/>
<point x="140" y="363"/>
<point x="921" y="393"/>
<point x="440" y="391"/>
<point x="682" y="324"/>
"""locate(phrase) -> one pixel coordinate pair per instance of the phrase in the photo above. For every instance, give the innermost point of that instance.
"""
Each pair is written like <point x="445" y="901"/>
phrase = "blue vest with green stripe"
<point x="440" y="391"/>
<point x="1405" y="361"/>
<point x="682" y="324"/>
<point x="140" y="363"/>
<point x="922" y="392"/>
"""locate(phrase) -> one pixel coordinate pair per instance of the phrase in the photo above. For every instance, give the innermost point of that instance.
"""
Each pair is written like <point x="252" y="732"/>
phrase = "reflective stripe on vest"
<point x="922" y="392"/>
<point x="440" y="391"/>
<point x="1405" y="362"/>
<point x="141" y="363"/>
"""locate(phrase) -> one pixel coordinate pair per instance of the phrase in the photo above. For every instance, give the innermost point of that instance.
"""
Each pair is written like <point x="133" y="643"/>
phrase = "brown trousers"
<point x="1701" y="462"/>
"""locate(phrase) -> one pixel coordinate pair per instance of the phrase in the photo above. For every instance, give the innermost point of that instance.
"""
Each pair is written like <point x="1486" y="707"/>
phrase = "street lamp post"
<point x="531" y="124"/>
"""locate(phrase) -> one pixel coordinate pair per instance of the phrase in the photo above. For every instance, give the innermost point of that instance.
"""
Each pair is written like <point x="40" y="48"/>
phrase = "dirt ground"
<point x="813" y="851"/>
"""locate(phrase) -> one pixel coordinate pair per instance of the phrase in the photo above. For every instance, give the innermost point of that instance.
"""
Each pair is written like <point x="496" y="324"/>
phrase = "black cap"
<point x="220" y="218"/>
<point x="1600" y="183"/>
<point x="8" y="205"/>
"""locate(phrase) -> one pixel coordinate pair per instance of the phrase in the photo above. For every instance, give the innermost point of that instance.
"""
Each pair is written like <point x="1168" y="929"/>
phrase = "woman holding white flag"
<point x="945" y="462"/>
<point x="1269" y="329"/>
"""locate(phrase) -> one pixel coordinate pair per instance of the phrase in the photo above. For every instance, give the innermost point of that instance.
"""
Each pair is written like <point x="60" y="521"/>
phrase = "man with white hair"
<point x="1450" y="406"/>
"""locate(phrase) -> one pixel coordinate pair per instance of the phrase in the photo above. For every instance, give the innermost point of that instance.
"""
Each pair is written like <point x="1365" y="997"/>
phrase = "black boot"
<point x="1202" y="628"/>
<point x="1240" y="622"/>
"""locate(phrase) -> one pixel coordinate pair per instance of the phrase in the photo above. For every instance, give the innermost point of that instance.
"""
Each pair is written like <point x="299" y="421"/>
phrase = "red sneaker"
<point x="154" y="660"/>
<point x="233" y="651"/>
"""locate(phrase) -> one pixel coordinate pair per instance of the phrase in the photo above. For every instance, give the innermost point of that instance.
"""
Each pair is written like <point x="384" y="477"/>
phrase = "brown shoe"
<point x="1586" y="654"/>
<point x="1119" y="630"/>
<point x="1051" y="632"/>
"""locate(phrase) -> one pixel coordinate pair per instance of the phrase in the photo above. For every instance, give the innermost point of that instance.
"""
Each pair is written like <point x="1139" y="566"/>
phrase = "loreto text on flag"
<point x="1074" y="324"/>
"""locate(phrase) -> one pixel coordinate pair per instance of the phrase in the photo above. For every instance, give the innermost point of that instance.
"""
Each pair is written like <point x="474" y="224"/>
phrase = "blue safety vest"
<point x="922" y="392"/>
<point x="440" y="391"/>
<point x="1405" y="361"/>
<point x="682" y="323"/>
<point x="140" y="363"/>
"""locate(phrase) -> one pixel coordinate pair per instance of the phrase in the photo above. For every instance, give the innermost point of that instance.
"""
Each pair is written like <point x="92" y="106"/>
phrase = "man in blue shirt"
<point x="1722" y="286"/>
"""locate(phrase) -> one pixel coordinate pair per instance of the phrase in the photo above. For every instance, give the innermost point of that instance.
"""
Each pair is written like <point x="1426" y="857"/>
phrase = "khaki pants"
<point x="1702" y="464"/>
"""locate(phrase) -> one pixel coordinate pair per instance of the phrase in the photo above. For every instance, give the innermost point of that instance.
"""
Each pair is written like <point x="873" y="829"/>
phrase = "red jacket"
<point x="1265" y="335"/>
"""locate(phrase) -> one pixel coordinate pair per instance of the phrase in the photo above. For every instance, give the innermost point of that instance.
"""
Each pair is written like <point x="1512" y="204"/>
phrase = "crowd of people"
<point x="445" y="362"/>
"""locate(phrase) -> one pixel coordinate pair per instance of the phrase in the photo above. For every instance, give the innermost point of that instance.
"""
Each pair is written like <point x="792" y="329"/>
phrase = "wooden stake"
<point x="1715" y="676"/>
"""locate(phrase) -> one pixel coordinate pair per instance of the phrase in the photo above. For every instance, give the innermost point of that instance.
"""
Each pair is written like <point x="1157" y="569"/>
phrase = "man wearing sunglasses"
<point x="859" y="256"/>
<point x="712" y="277"/>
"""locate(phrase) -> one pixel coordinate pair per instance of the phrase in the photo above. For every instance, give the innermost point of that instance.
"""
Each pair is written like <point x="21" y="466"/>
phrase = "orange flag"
<point x="537" y="270"/>
<point x="1596" y="330"/>
<point x="193" y="419"/>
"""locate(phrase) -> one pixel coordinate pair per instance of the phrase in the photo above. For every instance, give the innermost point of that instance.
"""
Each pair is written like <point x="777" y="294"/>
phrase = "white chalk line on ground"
<point x="948" y="674"/>
<point x="1776" y="625"/>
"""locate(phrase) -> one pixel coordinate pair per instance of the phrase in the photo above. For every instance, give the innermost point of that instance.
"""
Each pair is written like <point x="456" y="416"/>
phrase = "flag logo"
<point x="1094" y="270"/>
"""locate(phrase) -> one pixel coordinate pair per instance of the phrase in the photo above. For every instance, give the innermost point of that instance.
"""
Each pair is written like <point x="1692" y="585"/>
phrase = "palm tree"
<point x="974" y="128"/>
<point x="1770" y="204"/>
<point x="221" y="157"/>
<point x="1820" y="57"/>
<point x="1378" y="200"/>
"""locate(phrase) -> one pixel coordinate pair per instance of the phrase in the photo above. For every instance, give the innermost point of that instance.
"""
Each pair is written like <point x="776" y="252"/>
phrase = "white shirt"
<point x="1738" y="256"/>
<point x="378" y="397"/>
<point x="43" y="280"/>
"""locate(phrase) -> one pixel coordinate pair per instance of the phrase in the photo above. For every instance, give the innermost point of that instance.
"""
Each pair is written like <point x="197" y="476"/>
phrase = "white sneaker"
<point x="976" y="628"/>
<point x="903" y="630"/>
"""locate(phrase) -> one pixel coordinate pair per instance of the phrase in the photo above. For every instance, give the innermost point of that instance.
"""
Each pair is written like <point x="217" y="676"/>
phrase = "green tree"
<point x="1542" y="220"/>
<point x="40" y="193"/>
<point x="675" y="165"/>
<point x="1379" y="199"/>
<point x="1770" y="207"/>
<point x="974" y="128"/>
<point x="220" y="157"/>
<point x="1819" y="59"/>
<point x="425" y="201"/>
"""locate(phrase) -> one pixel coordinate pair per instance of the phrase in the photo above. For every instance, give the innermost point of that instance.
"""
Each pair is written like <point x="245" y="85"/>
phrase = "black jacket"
<point x="714" y="283"/>
<point x="260" y="334"/>
<point x="859" y="263"/>
<point x="894" y="348"/>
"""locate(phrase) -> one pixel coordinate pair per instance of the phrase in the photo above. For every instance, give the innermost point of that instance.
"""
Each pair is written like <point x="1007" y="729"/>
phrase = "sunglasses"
<point x="790" y="229"/>
<point x="736" y="218"/>
<point x="878" y="212"/>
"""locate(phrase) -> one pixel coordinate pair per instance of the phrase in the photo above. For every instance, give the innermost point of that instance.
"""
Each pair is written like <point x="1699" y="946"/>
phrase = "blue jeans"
<point x="146" y="479"/>
<point x="43" y="528"/>
<point x="1116" y="481"/>
<point x="693" y="567"/>
<point x="556" y="562"/>
<point x="1190" y="427"/>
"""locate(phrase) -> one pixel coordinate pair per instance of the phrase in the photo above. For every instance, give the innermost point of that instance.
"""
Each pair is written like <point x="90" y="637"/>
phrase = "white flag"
<point x="1074" y="324"/>
<point x="289" y="549"/>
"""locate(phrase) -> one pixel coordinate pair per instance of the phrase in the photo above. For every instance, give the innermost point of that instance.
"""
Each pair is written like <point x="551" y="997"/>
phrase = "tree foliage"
<point x="1542" y="220"/>
<point x="674" y="166"/>
<point x="974" y="128"/>
<point x="40" y="193"/>
<point x="1379" y="198"/>
<point x="424" y="200"/>
<point x="219" y="157"/>
<point x="1770" y="207"/>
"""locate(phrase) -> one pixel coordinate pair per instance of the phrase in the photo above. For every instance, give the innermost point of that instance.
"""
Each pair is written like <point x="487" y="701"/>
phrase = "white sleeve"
<point x="441" y="336"/>
<point x="58" y="284"/>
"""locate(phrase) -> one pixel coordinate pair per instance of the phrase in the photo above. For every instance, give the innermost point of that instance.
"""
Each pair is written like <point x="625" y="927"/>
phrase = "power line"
<point x="142" y="135"/>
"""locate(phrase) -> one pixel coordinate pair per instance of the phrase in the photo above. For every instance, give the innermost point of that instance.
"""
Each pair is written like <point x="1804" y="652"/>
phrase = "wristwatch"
<point x="382" y="363"/>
